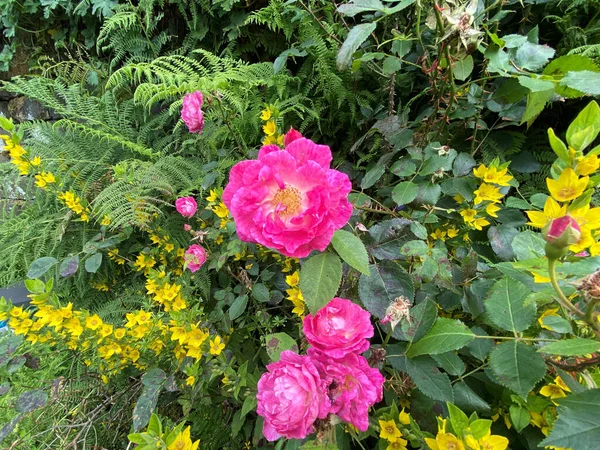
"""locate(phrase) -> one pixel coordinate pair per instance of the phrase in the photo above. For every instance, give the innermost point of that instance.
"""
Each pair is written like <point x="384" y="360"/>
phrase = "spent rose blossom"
<point x="289" y="200"/>
<point x="191" y="113"/>
<point x="353" y="386"/>
<point x="186" y="206"/>
<point x="339" y="328"/>
<point x="195" y="257"/>
<point x="291" y="396"/>
<point x="291" y="136"/>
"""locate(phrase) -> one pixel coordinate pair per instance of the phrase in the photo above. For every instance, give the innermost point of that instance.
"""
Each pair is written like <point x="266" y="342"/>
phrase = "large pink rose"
<point x="195" y="257"/>
<point x="353" y="386"/>
<point x="186" y="206"/>
<point x="291" y="396"/>
<point x="339" y="328"/>
<point x="289" y="200"/>
<point x="191" y="113"/>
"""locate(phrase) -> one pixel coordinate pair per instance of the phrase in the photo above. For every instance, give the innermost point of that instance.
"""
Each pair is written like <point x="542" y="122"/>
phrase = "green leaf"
<point x="517" y="366"/>
<point x="355" y="7"/>
<point x="505" y="305"/>
<point x="238" y="307"/>
<point x="533" y="56"/>
<point x="372" y="176"/>
<point x="422" y="318"/>
<point x="405" y="192"/>
<point x="468" y="400"/>
<point x="92" y="264"/>
<point x="404" y="168"/>
<point x="279" y="342"/>
<point x="463" y="68"/>
<point x="260" y="292"/>
<point x="30" y="400"/>
<point x="571" y="347"/>
<point x="586" y="126"/>
<point x="519" y="416"/>
<point x="391" y="64"/>
<point x="40" y="266"/>
<point x="578" y="423"/>
<point x="451" y="363"/>
<point x="536" y="101"/>
<point x="458" y="419"/>
<point x="584" y="81"/>
<point x="429" y="194"/>
<point x="463" y="164"/>
<point x="385" y="283"/>
<point x="518" y="203"/>
<point x="320" y="279"/>
<point x="68" y="267"/>
<point x="351" y="250"/>
<point x="557" y="324"/>
<point x="480" y="427"/>
<point x="559" y="147"/>
<point x="528" y="245"/>
<point x="536" y="84"/>
<point x="249" y="405"/>
<point x="501" y="238"/>
<point x="415" y="248"/>
<point x="153" y="381"/>
<point x="559" y="67"/>
<point x="387" y="237"/>
<point x="444" y="336"/>
<point x="357" y="35"/>
<point x="480" y="348"/>
<point x="426" y="376"/>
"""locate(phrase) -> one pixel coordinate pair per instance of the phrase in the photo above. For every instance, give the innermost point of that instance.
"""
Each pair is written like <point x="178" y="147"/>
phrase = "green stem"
<point x="562" y="299"/>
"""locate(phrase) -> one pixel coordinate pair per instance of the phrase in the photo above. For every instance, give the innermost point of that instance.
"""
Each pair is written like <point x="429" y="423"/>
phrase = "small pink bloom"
<point x="186" y="206"/>
<point x="191" y="113"/>
<point x="339" y="328"/>
<point x="187" y="227"/>
<point x="291" y="136"/>
<point x="353" y="386"/>
<point x="289" y="200"/>
<point x="195" y="257"/>
<point x="291" y="396"/>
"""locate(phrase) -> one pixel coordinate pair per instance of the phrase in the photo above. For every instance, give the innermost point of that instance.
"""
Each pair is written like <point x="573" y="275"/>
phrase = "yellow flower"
<point x="492" y="209"/>
<point x="169" y="247"/>
<point x="438" y="234"/>
<point x="595" y="251"/>
<point x="105" y="221"/>
<point x="445" y="441"/>
<point x="190" y="380"/>
<point x="44" y="179"/>
<point x="585" y="241"/>
<point x="404" y="418"/>
<point x="479" y="223"/>
<point x="213" y="196"/>
<point x="493" y="442"/>
<point x="36" y="161"/>
<point x="105" y="330"/>
<point x="219" y="240"/>
<point x="586" y="217"/>
<point x="120" y="333"/>
<point x="561" y="384"/>
<point x="269" y="140"/>
<point x="458" y="198"/>
<point x="548" y="313"/>
<point x="183" y="442"/>
<point x="389" y="431"/>
<point x="266" y="114"/>
<point x="487" y="192"/>
<point x="493" y="175"/>
<point x="93" y="322"/>
<point x="568" y="186"/>
<point x="588" y="165"/>
<point x="553" y="391"/>
<point x="398" y="444"/>
<point x="452" y="232"/>
<point x="296" y="297"/>
<point x="216" y="346"/>
<point x="221" y="210"/>
<point x="293" y="279"/>
<point x="468" y="215"/>
<point x="552" y="210"/>
<point x="539" y="278"/>
<point x="270" y="128"/>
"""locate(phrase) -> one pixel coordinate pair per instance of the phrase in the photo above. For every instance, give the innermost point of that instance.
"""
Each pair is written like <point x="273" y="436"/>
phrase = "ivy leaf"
<point x="444" y="336"/>
<point x="571" y="347"/>
<point x="320" y="279"/>
<point x="357" y="35"/>
<point x="505" y="305"/>
<point x="351" y="250"/>
<point x="385" y="282"/>
<point x="578" y="423"/>
<point x="517" y="366"/>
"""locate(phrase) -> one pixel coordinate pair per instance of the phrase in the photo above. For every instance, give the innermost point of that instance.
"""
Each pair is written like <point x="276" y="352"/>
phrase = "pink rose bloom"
<point x="291" y="396"/>
<point x="289" y="200"/>
<point x="191" y="113"/>
<point x="186" y="206"/>
<point x="291" y="136"/>
<point x="339" y="328"/>
<point x="194" y="257"/>
<point x="353" y="386"/>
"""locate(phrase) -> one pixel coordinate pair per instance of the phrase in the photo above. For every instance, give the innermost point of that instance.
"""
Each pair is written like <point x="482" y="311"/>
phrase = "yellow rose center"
<point x="288" y="201"/>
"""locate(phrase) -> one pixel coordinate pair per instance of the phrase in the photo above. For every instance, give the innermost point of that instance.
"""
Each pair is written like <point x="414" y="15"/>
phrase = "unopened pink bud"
<point x="291" y="136"/>
<point x="560" y="226"/>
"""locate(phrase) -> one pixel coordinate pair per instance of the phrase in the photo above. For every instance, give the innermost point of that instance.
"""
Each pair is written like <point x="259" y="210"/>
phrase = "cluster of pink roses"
<point x="195" y="255"/>
<point x="332" y="379"/>
<point x="289" y="200"/>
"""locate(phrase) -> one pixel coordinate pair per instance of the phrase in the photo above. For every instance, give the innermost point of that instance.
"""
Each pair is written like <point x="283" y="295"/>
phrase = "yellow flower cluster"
<point x="448" y="441"/>
<point x="449" y="232"/>
<point x="565" y="191"/>
<point x="295" y="294"/>
<point x="183" y="441"/>
<point x="487" y="196"/>
<point x="556" y="389"/>
<point x="18" y="155"/>
<point x="166" y="294"/>
<point x="73" y="202"/>
<point x="269" y="115"/>
<point x="218" y="207"/>
<point x="389" y="431"/>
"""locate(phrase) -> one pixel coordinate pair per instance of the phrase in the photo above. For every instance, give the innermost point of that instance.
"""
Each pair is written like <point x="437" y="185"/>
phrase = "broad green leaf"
<point x="277" y="343"/>
<point x="320" y="279"/>
<point x="578" y="423"/>
<point x="559" y="67"/>
<point x="585" y="81"/>
<point x="404" y="168"/>
<point x="422" y="318"/>
<point x="355" y="7"/>
<point x="586" y="126"/>
<point x="415" y="248"/>
<point x="501" y="238"/>
<point x="458" y="419"/>
<point x="391" y="65"/>
<point x="536" y="84"/>
<point x="468" y="400"/>
<point x="260" y="292"/>
<point x="429" y="194"/>
<point x="518" y="203"/>
<point x="68" y="267"/>
<point x="463" y="164"/>
<point x="444" y="336"/>
<point x="386" y="282"/>
<point x="40" y="266"/>
<point x="463" y="68"/>
<point x="533" y="56"/>
<point x="528" y="245"/>
<point x="519" y="416"/>
<point x="451" y="363"/>
<point x="351" y="250"/>
<point x="559" y="147"/>
<point x="571" y="347"/>
<point x="30" y="400"/>
<point x="517" y="366"/>
<point x="372" y="176"/>
<point x="557" y="324"/>
<point x="357" y="35"/>
<point x="536" y="101"/>
<point x="426" y="376"/>
<point x="405" y="192"/>
<point x="480" y="427"/>
<point x="505" y="306"/>
<point x="387" y="237"/>
<point x="238" y="307"/>
<point x="498" y="60"/>
<point x="92" y="264"/>
<point x="480" y="348"/>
